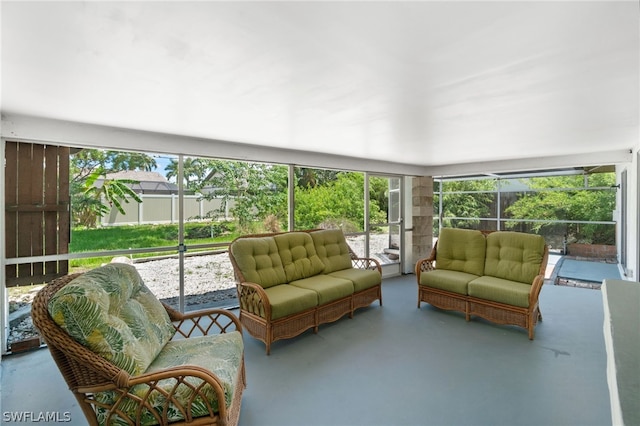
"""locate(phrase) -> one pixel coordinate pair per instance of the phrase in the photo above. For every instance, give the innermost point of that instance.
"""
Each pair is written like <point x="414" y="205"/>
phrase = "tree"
<point x="90" y="200"/>
<point x="339" y="202"/>
<point x="310" y="178"/>
<point x="470" y="199"/>
<point x="257" y="191"/>
<point x="87" y="161"/>
<point x="194" y="171"/>
<point x="379" y="194"/>
<point x="592" y="203"/>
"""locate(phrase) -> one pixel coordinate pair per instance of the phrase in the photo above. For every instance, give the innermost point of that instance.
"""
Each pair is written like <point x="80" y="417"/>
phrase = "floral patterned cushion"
<point x="219" y="353"/>
<point x="111" y="311"/>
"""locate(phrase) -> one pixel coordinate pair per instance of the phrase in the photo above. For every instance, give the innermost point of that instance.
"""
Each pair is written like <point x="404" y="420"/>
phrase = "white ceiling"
<point x="419" y="83"/>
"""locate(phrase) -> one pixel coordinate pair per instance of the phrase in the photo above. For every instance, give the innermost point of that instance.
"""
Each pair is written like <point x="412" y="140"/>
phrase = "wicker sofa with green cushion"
<point x="496" y="275"/>
<point x="130" y="360"/>
<point x="292" y="281"/>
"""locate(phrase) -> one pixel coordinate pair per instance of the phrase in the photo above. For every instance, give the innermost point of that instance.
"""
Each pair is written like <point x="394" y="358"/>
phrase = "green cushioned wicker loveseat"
<point x="130" y="360"/>
<point x="292" y="281"/>
<point x="496" y="275"/>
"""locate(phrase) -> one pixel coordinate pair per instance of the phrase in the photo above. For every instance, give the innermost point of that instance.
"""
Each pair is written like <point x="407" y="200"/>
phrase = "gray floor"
<point x="399" y="365"/>
<point x="588" y="271"/>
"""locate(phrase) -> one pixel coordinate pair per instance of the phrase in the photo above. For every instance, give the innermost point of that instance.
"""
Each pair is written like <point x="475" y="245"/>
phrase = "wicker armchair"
<point x="89" y="375"/>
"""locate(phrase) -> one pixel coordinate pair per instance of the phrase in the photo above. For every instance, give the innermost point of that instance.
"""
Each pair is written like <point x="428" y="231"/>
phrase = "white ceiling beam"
<point x="25" y="128"/>
<point x="557" y="162"/>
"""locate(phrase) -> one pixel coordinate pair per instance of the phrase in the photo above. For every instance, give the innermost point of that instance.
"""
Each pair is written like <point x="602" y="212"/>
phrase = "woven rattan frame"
<point x="87" y="373"/>
<point x="498" y="313"/>
<point x="255" y="310"/>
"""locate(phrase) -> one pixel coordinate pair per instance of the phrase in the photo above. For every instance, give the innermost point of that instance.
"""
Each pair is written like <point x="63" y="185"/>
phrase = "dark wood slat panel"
<point x="42" y="279"/>
<point x="25" y="219"/>
<point x="51" y="199"/>
<point x="64" y="219"/>
<point x="38" y="208"/>
<point x="37" y="211"/>
<point x="37" y="197"/>
<point x="11" y="197"/>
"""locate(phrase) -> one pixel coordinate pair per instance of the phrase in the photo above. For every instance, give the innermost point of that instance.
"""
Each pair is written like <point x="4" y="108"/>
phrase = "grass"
<point x="142" y="236"/>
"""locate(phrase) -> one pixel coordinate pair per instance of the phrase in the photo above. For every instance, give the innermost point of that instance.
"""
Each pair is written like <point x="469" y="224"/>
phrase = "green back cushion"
<point x="461" y="250"/>
<point x="111" y="311"/>
<point x="514" y="256"/>
<point x="332" y="249"/>
<point x="259" y="261"/>
<point x="298" y="255"/>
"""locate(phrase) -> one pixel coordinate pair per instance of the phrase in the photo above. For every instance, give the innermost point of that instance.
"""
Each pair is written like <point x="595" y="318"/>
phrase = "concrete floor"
<point x="399" y="365"/>
<point x="596" y="272"/>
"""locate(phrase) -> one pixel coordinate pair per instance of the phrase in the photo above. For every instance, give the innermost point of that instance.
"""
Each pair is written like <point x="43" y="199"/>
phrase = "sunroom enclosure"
<point x="279" y="215"/>
<point x="382" y="228"/>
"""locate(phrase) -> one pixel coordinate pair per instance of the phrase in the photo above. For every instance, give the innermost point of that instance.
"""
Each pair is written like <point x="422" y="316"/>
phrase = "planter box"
<point x="595" y="251"/>
<point x="26" y="344"/>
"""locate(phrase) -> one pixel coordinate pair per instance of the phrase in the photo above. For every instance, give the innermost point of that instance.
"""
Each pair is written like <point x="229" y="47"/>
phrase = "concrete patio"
<point x="400" y="365"/>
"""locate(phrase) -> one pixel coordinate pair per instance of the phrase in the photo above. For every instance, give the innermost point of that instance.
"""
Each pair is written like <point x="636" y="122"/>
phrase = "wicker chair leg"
<point x="269" y="339"/>
<point x="87" y="409"/>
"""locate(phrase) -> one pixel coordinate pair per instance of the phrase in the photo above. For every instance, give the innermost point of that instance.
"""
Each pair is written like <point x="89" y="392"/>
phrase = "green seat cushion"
<point x="259" y="261"/>
<point x="461" y="250"/>
<point x="298" y="254"/>
<point x="499" y="290"/>
<point x="453" y="281"/>
<point x="286" y="300"/>
<point x="514" y="256"/>
<point x="332" y="249"/>
<point x="112" y="312"/>
<point x="328" y="288"/>
<point x="362" y="279"/>
<point x="218" y="353"/>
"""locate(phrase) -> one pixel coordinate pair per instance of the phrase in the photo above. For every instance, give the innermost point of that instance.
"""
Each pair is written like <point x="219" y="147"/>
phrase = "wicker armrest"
<point x="427" y="263"/>
<point x="536" y="286"/>
<point x="253" y="299"/>
<point x="180" y="373"/>
<point x="207" y="321"/>
<point x="182" y="376"/>
<point x="366" y="263"/>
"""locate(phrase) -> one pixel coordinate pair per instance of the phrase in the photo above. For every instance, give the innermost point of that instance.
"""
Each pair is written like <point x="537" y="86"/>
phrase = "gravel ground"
<point x="209" y="274"/>
<point x="209" y="281"/>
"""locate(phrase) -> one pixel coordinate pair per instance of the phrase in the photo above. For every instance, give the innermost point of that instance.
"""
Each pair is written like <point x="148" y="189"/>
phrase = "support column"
<point x="422" y="212"/>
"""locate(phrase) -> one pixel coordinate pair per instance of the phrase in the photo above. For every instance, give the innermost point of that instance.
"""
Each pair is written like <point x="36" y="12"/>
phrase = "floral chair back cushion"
<point x="112" y="312"/>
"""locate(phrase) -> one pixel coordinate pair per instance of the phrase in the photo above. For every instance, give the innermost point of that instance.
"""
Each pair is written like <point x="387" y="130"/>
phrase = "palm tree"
<point x="195" y="170"/>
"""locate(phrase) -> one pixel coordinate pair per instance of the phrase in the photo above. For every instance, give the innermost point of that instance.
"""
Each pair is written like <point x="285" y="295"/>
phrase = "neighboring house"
<point x="147" y="182"/>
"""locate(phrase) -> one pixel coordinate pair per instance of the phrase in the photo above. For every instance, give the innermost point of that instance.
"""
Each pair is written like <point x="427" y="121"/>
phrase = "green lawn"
<point x="142" y="236"/>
